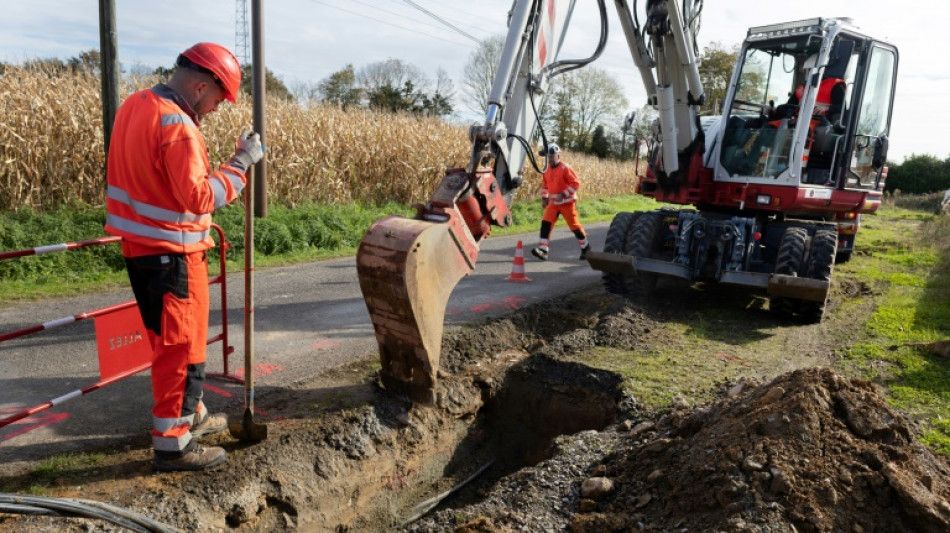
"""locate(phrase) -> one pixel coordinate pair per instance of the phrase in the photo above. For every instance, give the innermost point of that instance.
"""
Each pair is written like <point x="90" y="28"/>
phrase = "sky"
<point x="307" y="40"/>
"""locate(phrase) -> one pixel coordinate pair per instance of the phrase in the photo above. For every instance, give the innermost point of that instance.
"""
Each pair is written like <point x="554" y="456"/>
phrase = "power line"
<point x="416" y="21"/>
<point x="442" y="20"/>
<point x="389" y="23"/>
<point x="471" y="17"/>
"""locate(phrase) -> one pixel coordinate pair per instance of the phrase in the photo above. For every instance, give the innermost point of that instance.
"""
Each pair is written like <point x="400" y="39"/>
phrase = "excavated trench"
<point x="353" y="457"/>
<point x="538" y="400"/>
<point x="503" y="398"/>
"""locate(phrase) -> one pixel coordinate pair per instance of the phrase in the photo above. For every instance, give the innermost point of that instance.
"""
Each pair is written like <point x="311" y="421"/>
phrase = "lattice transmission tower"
<point x="242" y="47"/>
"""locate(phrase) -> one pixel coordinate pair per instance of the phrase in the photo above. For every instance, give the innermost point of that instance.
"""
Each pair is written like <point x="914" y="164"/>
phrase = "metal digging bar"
<point x="247" y="429"/>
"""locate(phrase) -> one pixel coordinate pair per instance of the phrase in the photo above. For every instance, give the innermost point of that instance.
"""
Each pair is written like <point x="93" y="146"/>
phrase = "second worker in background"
<point x="559" y="197"/>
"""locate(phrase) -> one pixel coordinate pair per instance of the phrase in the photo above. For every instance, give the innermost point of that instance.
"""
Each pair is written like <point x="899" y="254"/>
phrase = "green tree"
<point x="715" y="71"/>
<point x="272" y="84"/>
<point x="340" y="88"/>
<point x="599" y="143"/>
<point x="919" y="174"/>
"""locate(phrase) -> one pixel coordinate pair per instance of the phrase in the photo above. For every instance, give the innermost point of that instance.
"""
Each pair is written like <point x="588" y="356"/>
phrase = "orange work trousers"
<point x="568" y="211"/>
<point x="173" y="298"/>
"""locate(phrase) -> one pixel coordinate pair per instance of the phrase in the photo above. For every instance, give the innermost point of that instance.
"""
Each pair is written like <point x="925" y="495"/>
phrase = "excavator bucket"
<point x="407" y="270"/>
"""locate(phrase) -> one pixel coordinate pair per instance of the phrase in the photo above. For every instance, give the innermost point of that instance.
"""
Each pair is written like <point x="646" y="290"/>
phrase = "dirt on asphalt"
<point x="525" y="437"/>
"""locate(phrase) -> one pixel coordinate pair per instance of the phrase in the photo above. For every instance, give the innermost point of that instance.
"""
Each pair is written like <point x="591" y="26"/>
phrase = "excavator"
<point x="773" y="188"/>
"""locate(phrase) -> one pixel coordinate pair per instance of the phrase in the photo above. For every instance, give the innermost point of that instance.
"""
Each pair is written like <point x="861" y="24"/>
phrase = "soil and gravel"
<point x="788" y="445"/>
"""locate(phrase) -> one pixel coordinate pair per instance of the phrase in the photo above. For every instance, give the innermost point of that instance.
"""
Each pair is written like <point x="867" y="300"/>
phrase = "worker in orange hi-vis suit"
<point x="559" y="197"/>
<point x="161" y="193"/>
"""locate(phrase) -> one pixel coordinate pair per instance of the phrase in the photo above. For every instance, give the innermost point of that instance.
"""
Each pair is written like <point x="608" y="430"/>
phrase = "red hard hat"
<point x="221" y="62"/>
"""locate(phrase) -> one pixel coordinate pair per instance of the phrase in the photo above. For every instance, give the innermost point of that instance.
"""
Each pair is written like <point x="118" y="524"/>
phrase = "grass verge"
<point x="286" y="236"/>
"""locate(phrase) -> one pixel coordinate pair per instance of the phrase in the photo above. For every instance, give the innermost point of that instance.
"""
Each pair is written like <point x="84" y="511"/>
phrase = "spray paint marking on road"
<point x="216" y="390"/>
<point x="325" y="343"/>
<point x="511" y="302"/>
<point x="36" y="421"/>
<point x="268" y="415"/>
<point x="263" y="369"/>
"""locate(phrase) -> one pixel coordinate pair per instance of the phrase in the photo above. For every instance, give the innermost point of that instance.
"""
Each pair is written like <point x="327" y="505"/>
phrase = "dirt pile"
<point x="810" y="451"/>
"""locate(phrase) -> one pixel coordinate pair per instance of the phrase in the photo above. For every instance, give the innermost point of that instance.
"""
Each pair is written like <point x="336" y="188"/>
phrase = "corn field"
<point x="52" y="149"/>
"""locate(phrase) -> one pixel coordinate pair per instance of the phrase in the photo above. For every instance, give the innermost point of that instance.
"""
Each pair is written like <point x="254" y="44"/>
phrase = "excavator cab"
<point x="809" y="104"/>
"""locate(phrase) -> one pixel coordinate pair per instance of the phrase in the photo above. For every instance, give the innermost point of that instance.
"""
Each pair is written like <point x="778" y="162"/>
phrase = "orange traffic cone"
<point x="517" y="267"/>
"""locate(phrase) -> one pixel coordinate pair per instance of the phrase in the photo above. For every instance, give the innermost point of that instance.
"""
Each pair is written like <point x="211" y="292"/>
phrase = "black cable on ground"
<point x="21" y="504"/>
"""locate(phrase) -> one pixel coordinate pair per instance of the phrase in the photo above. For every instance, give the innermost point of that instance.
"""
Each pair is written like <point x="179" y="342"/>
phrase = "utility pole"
<point x="260" y="177"/>
<point x="109" y="67"/>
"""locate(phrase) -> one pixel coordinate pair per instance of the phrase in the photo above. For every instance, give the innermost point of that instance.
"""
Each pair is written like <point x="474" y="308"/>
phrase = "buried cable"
<point x="423" y="508"/>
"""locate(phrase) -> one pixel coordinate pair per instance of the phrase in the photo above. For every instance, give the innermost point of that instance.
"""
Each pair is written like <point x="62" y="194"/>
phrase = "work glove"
<point x="545" y="201"/>
<point x="248" y="151"/>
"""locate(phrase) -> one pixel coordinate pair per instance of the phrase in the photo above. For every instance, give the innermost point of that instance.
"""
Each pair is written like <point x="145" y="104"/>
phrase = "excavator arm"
<point x="664" y="50"/>
<point x="408" y="267"/>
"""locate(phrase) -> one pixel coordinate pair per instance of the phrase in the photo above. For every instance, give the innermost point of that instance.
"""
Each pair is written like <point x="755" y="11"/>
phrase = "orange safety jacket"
<point x="560" y="184"/>
<point x="161" y="191"/>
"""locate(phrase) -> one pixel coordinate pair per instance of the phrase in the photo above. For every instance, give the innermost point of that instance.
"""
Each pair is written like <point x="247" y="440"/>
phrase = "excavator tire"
<point x="641" y="242"/>
<point x="821" y="261"/>
<point x="616" y="243"/>
<point x="791" y="254"/>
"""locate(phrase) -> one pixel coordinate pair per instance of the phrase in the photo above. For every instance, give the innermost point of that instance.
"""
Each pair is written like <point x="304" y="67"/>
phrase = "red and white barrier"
<point x="121" y="339"/>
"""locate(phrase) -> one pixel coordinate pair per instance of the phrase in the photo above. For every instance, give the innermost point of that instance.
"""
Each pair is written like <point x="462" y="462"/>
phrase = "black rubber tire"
<point x="821" y="262"/>
<point x="642" y="242"/>
<point x="791" y="255"/>
<point x="616" y="243"/>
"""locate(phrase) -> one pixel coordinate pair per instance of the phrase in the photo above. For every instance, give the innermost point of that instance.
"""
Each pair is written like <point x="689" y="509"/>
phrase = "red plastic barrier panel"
<point x="122" y="342"/>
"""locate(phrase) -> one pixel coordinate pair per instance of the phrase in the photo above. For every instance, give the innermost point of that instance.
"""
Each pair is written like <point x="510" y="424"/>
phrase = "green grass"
<point x="286" y="236"/>
<point x="60" y="465"/>
<point x="57" y="470"/>
<point x="911" y="263"/>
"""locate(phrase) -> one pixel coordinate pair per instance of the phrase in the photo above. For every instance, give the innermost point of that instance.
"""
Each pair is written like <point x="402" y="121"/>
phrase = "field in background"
<point x="52" y="149"/>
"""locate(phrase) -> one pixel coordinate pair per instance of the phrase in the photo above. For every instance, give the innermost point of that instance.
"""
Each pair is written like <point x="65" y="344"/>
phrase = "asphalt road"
<point x="308" y="318"/>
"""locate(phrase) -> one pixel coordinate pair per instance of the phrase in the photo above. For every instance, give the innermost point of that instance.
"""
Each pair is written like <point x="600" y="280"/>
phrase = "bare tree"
<point x="583" y="99"/>
<point x="480" y="72"/>
<point x="392" y="73"/>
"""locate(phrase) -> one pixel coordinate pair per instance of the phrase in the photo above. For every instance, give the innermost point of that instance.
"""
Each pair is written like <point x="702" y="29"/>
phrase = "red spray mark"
<point x="216" y="390"/>
<point x="325" y="343"/>
<point x="263" y="369"/>
<point x="511" y="302"/>
<point x="36" y="421"/>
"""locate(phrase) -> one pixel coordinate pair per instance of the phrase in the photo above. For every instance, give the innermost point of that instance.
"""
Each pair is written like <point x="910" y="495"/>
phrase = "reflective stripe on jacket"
<point x="161" y="191"/>
<point x="560" y="183"/>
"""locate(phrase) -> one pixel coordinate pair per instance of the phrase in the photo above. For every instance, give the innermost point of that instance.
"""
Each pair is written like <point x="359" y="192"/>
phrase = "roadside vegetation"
<point x="889" y="324"/>
<point x="287" y="235"/>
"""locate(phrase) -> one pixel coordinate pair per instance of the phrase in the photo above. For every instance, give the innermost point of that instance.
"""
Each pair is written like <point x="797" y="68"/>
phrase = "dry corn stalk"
<point x="52" y="149"/>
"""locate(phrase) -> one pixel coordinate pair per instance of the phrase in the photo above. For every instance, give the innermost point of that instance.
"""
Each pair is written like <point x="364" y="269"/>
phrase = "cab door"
<point x="868" y="151"/>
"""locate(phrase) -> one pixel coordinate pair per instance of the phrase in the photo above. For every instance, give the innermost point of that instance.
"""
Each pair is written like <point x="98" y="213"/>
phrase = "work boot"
<point x="540" y="253"/>
<point x="198" y="458"/>
<point x="211" y="423"/>
<point x="584" y="251"/>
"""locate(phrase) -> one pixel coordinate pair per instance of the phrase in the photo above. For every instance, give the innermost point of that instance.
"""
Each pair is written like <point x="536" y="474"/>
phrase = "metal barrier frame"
<point x="220" y="279"/>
